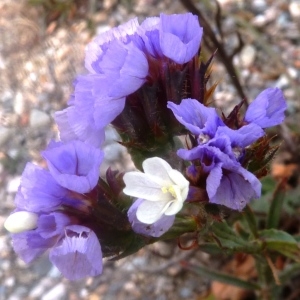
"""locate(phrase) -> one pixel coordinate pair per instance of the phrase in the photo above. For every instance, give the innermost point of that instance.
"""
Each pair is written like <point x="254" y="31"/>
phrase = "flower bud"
<point x="21" y="221"/>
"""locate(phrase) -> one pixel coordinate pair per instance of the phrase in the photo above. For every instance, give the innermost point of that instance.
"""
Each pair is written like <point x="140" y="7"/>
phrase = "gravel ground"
<point x="38" y="63"/>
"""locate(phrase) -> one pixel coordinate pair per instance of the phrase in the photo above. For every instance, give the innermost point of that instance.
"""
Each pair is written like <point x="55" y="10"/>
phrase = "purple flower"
<point x="75" y="249"/>
<point x="243" y="136"/>
<point x="51" y="210"/>
<point x="97" y="48"/>
<point x="39" y="191"/>
<point x="156" y="229"/>
<point x="227" y="183"/>
<point x="75" y="165"/>
<point x="197" y="118"/>
<point x="206" y="125"/>
<point x="267" y="109"/>
<point x="78" y="254"/>
<point x="180" y="36"/>
<point x="115" y="55"/>
<point x="125" y="68"/>
<point x="90" y="110"/>
<point x="30" y="244"/>
<point x="176" y="37"/>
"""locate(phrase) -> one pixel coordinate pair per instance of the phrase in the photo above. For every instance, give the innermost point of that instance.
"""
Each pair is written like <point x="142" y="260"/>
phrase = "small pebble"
<point x="56" y="293"/>
<point x="39" y="119"/>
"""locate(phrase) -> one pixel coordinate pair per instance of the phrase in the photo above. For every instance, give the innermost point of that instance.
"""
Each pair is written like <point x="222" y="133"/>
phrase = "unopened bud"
<point x="21" y="221"/>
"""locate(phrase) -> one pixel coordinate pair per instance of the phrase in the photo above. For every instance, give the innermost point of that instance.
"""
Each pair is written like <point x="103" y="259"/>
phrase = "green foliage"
<point x="258" y="231"/>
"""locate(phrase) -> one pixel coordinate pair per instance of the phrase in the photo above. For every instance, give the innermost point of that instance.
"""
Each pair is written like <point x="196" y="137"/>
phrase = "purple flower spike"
<point x="79" y="255"/>
<point x="75" y="165"/>
<point x="196" y="117"/>
<point x="156" y="229"/>
<point x="267" y="109"/>
<point x="180" y="36"/>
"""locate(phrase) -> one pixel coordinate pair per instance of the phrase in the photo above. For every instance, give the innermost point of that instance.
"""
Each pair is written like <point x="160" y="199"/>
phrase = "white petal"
<point x="158" y="168"/>
<point x="143" y="186"/>
<point x="176" y="205"/>
<point x="21" y="221"/>
<point x="184" y="193"/>
<point x="174" y="208"/>
<point x="149" y="212"/>
<point x="178" y="178"/>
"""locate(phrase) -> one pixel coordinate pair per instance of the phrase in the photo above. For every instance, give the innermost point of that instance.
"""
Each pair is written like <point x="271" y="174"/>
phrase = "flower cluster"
<point x="120" y="61"/>
<point x="51" y="206"/>
<point x="220" y="150"/>
<point x="148" y="82"/>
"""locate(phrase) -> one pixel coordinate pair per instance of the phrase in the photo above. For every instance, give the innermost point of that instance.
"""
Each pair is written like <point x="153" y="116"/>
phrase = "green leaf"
<point x="275" y="210"/>
<point x="213" y="249"/>
<point x="221" y="277"/>
<point x="251" y="220"/>
<point x="268" y="185"/>
<point x="229" y="239"/>
<point x="281" y="242"/>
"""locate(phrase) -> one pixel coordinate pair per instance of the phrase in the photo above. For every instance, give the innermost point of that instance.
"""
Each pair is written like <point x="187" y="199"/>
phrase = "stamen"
<point x="169" y="190"/>
<point x="203" y="138"/>
<point x="237" y="151"/>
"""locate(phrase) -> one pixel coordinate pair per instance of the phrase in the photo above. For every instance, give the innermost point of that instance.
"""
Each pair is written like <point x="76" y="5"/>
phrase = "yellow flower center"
<point x="169" y="190"/>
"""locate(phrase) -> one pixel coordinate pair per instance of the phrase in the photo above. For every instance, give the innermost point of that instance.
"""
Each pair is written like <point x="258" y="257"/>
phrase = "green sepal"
<point x="181" y="225"/>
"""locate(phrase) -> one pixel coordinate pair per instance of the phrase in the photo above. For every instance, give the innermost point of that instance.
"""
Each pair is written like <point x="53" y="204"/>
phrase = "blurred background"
<point x="42" y="46"/>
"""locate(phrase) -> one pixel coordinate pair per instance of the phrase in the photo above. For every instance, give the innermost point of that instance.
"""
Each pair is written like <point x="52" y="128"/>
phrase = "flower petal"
<point x="267" y="109"/>
<point x="149" y="212"/>
<point x="144" y="186"/>
<point x="159" y="168"/>
<point x="38" y="190"/>
<point x="196" y="117"/>
<point x="75" y="165"/>
<point x="180" y="36"/>
<point x="156" y="229"/>
<point x="79" y="255"/>
<point x="242" y="137"/>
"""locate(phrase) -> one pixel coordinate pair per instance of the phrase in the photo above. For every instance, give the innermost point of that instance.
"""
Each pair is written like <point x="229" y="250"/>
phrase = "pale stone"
<point x="5" y="134"/>
<point x="294" y="9"/>
<point x="57" y="292"/>
<point x="247" y="56"/>
<point x="39" y="119"/>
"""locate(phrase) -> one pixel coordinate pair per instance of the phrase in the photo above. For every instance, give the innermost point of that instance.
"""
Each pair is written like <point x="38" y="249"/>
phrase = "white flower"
<point x="163" y="188"/>
<point x="21" y="221"/>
